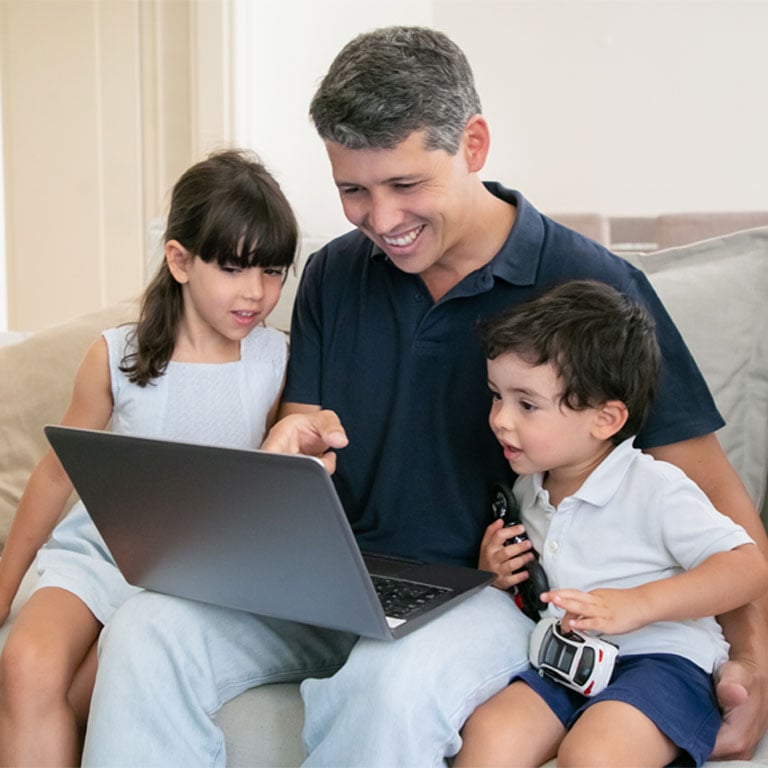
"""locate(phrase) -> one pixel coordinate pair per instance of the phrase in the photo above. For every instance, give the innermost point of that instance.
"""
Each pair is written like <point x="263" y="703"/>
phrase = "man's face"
<point x="414" y="203"/>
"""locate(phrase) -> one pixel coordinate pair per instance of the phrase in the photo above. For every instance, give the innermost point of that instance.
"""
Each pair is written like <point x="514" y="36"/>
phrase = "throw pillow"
<point x="717" y="293"/>
<point x="36" y="377"/>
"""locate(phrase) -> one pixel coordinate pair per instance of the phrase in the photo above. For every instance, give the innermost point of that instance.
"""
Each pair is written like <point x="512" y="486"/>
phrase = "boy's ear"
<point x="609" y="419"/>
<point x="178" y="259"/>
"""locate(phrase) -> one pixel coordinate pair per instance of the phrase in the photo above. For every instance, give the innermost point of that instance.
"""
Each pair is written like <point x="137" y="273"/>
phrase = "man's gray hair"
<point x="386" y="84"/>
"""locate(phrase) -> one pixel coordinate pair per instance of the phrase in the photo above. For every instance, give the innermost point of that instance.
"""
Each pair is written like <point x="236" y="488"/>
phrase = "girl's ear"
<point x="179" y="260"/>
<point x="610" y="417"/>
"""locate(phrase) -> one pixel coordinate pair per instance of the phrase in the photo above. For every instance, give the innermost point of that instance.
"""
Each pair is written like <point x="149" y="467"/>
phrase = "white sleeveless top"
<point x="222" y="404"/>
<point x="218" y="404"/>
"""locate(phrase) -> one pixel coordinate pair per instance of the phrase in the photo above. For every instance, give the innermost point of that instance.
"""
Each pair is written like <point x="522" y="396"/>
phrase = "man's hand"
<point x="741" y="693"/>
<point x="314" y="433"/>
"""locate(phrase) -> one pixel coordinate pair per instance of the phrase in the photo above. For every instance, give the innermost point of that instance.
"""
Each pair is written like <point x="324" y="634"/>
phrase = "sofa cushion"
<point x="36" y="377"/>
<point x="716" y="291"/>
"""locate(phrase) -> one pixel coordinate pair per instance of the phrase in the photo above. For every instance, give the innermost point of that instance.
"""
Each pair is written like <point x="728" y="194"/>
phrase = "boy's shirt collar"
<point x="600" y="487"/>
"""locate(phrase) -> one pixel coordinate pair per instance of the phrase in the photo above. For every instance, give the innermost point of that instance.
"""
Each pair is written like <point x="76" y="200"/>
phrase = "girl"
<point x="198" y="366"/>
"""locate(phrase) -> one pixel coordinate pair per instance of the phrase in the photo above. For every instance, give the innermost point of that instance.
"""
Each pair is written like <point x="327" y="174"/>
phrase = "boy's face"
<point x="536" y="431"/>
<point x="414" y="203"/>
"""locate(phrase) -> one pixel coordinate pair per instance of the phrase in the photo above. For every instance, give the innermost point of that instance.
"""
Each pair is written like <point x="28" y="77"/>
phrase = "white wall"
<point x="285" y="48"/>
<point x="628" y="107"/>
<point x="622" y="106"/>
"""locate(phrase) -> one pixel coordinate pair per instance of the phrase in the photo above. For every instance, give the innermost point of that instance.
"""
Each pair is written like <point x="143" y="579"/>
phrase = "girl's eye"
<point x="230" y="270"/>
<point x="275" y="272"/>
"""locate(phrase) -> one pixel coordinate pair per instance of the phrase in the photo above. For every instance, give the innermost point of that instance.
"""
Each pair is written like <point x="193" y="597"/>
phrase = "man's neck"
<point x="489" y="233"/>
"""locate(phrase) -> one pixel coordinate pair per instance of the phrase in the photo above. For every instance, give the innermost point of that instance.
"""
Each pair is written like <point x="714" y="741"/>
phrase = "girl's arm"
<point x="48" y="489"/>
<point x="721" y="583"/>
<point x="272" y="415"/>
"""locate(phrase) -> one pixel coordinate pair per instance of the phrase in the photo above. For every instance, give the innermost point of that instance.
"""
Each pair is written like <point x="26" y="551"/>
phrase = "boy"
<point x="631" y="545"/>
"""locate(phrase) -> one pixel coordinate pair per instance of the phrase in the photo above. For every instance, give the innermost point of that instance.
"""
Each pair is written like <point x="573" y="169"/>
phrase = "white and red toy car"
<point x="581" y="662"/>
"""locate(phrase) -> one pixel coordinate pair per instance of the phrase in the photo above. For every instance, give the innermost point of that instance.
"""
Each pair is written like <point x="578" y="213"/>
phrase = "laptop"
<point x="248" y="529"/>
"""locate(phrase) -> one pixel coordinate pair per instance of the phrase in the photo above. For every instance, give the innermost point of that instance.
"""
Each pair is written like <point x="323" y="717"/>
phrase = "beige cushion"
<point x="717" y="293"/>
<point x="36" y="377"/>
<point x="673" y="229"/>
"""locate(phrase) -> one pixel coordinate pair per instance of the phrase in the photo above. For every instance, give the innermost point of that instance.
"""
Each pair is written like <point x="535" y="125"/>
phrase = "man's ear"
<point x="179" y="260"/>
<point x="610" y="417"/>
<point x="476" y="142"/>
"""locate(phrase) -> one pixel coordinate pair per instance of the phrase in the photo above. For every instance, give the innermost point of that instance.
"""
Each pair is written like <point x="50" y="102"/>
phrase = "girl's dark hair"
<point x="602" y="344"/>
<point x="228" y="209"/>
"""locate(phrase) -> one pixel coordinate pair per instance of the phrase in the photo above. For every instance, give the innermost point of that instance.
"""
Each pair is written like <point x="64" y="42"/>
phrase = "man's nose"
<point x="383" y="216"/>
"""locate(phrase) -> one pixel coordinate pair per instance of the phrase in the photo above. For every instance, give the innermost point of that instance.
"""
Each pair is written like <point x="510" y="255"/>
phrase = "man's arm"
<point x="742" y="682"/>
<point x="309" y="430"/>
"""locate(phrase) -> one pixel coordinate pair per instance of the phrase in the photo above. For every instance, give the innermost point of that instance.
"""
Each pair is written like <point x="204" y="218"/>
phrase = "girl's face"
<point x="228" y="301"/>
<point x="537" y="432"/>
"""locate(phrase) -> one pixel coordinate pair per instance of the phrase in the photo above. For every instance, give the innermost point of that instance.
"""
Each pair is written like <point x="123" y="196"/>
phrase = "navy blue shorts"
<point x="675" y="694"/>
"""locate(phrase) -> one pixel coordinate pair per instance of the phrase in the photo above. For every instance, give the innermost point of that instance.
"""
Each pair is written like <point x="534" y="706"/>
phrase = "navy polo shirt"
<point x="407" y="376"/>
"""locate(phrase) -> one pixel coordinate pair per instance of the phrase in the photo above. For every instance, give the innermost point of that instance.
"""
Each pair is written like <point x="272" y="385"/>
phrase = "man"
<point x="384" y="335"/>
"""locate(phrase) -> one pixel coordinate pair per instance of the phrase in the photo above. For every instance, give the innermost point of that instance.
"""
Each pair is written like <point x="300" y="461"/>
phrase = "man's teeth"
<point x="402" y="240"/>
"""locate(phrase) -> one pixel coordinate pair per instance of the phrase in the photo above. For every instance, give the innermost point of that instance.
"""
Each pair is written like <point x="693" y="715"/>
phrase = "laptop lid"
<point x="246" y="529"/>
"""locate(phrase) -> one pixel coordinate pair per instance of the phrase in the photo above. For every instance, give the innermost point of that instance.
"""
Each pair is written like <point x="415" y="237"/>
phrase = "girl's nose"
<point x="254" y="284"/>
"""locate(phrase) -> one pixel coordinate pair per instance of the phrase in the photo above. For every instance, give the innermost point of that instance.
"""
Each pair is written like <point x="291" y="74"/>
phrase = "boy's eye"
<point x="494" y="394"/>
<point x="526" y="406"/>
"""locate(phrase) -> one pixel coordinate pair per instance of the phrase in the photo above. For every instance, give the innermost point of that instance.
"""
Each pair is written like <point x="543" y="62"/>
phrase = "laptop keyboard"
<point x="401" y="598"/>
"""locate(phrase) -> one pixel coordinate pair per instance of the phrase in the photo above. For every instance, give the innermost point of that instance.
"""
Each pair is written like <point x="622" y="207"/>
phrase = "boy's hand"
<point x="612" y="611"/>
<point x="505" y="561"/>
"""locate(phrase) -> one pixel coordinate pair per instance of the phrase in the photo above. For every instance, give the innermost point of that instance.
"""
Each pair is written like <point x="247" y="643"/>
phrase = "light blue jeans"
<point x="166" y="665"/>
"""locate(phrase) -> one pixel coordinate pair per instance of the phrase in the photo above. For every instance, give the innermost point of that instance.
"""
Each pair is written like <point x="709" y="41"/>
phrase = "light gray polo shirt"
<point x="634" y="520"/>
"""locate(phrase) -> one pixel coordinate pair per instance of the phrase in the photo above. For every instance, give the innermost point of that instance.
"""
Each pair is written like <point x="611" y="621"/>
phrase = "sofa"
<point x="716" y="290"/>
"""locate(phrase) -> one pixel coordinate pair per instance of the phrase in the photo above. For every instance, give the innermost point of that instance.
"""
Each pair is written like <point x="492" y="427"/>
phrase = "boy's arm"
<point x="721" y="583"/>
<point x="48" y="488"/>
<point x="742" y="682"/>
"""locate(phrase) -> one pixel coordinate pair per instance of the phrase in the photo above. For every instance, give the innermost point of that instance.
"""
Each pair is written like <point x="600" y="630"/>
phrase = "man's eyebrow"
<point x="391" y="180"/>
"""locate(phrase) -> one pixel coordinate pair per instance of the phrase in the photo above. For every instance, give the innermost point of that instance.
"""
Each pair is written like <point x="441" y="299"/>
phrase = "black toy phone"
<point x="506" y="508"/>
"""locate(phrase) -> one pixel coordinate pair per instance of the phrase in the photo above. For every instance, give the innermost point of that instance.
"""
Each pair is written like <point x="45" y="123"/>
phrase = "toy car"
<point x="581" y="662"/>
<point x="527" y="593"/>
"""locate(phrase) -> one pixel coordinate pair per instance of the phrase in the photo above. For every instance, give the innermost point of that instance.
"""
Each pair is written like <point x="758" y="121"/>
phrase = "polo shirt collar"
<point x="600" y="487"/>
<point x="517" y="261"/>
